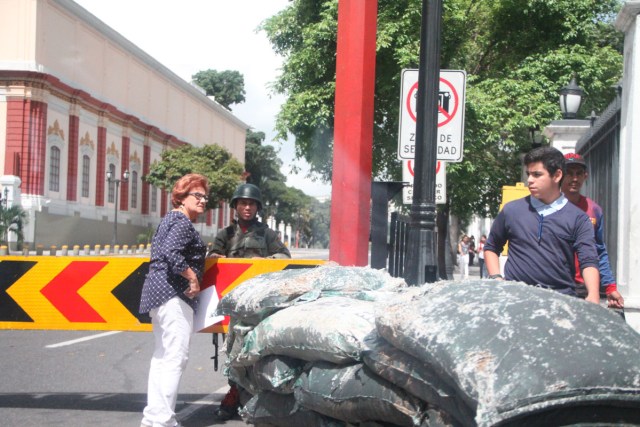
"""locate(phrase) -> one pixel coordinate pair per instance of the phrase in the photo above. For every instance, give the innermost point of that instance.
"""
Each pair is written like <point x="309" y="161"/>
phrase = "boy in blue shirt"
<point x="544" y="232"/>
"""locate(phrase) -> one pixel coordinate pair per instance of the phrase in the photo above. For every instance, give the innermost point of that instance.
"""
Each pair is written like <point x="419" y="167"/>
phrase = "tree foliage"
<point x="226" y="86"/>
<point x="12" y="220"/>
<point x="517" y="54"/>
<point x="262" y="164"/>
<point x="217" y="164"/>
<point x="294" y="207"/>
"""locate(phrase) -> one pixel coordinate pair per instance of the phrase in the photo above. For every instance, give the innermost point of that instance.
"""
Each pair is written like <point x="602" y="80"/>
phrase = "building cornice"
<point x="627" y="15"/>
<point x="47" y="82"/>
<point x="115" y="37"/>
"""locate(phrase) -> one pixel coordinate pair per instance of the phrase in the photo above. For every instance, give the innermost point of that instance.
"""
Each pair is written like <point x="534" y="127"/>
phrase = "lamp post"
<point x="570" y="99"/>
<point x="271" y="215"/>
<point x="111" y="179"/>
<point x="421" y="262"/>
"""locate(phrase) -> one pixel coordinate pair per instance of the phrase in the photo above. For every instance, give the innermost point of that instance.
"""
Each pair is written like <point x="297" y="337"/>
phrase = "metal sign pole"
<point x="421" y="264"/>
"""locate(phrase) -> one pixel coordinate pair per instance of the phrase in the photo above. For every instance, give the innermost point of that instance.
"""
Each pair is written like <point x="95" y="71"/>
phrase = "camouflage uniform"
<point x="259" y="241"/>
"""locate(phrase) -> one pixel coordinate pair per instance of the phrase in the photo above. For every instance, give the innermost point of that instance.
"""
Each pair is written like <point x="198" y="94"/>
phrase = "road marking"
<point x="90" y="337"/>
<point x="192" y="407"/>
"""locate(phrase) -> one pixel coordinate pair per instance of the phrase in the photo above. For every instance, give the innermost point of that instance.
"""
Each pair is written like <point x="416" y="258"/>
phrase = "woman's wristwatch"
<point x="495" y="276"/>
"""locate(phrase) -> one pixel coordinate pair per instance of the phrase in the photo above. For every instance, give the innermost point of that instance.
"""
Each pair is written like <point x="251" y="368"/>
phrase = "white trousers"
<point x="172" y="328"/>
<point x="463" y="264"/>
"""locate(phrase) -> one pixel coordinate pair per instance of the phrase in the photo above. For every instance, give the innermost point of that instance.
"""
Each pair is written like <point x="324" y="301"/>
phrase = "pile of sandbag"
<point x="332" y="346"/>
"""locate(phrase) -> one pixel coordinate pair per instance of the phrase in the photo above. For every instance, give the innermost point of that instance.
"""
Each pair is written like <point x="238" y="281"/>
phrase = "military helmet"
<point x="247" y="191"/>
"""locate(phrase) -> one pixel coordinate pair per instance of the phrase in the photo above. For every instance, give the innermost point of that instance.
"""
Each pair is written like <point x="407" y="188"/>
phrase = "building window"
<point x="86" y="169"/>
<point x="112" y="184"/>
<point x="134" y="190"/>
<point x="154" y="199"/>
<point x="54" y="170"/>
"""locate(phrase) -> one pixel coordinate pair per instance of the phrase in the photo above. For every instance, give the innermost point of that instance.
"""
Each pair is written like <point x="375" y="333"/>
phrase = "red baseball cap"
<point x="574" y="159"/>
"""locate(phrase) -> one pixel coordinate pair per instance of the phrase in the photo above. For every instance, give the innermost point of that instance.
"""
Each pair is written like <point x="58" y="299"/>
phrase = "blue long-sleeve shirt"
<point x="175" y="247"/>
<point x="542" y="248"/>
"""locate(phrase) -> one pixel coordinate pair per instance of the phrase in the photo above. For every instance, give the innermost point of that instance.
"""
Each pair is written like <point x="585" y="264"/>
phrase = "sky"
<point x="195" y="35"/>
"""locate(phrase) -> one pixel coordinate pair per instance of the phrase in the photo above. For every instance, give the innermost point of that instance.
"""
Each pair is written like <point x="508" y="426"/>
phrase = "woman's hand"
<point x="194" y="288"/>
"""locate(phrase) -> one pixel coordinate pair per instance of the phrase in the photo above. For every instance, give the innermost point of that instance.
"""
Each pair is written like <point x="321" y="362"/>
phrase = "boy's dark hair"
<point x="551" y="158"/>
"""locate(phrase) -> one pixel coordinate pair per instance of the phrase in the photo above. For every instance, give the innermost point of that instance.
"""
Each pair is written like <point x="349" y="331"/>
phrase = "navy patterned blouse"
<point x="175" y="246"/>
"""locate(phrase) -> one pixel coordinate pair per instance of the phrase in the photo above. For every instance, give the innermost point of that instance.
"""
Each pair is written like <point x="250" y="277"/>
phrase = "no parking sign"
<point x="451" y="99"/>
<point x="441" y="182"/>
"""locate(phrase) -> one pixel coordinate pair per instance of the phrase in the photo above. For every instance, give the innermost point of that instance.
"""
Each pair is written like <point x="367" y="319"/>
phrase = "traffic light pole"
<point x="421" y="262"/>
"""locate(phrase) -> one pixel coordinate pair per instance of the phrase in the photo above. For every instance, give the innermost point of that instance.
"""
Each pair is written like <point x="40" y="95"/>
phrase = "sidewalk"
<point x="474" y="272"/>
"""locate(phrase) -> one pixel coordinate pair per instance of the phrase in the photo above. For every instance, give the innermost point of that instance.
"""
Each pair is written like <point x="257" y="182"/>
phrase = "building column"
<point x="72" y="159"/>
<point x="146" y="167"/>
<point x="101" y="176"/>
<point x="629" y="173"/>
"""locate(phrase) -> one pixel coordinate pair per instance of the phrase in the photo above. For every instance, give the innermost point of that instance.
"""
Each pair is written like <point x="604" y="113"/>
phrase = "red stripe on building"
<point x="146" y="161"/>
<point x="100" y="167"/>
<point x="72" y="163"/>
<point x="163" y="203"/>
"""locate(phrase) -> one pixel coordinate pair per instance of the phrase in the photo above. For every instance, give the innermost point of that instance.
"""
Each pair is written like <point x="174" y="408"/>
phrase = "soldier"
<point x="245" y="238"/>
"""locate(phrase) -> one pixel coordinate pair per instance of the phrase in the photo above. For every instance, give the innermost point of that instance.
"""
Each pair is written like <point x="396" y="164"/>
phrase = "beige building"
<point x="78" y="100"/>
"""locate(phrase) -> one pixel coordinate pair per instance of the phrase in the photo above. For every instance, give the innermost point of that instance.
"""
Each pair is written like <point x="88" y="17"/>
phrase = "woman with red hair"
<point x="168" y="295"/>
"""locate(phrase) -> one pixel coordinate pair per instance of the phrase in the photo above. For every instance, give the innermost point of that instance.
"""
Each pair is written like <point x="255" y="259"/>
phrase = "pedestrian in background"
<point x="463" y="257"/>
<point x="544" y="231"/>
<point x="481" y="243"/>
<point x="168" y="295"/>
<point x="472" y="250"/>
<point x="572" y="184"/>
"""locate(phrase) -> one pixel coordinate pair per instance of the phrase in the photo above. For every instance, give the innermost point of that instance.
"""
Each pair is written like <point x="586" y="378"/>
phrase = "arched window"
<point x="54" y="169"/>
<point x="112" y="184"/>
<point x="86" y="170"/>
<point x="134" y="190"/>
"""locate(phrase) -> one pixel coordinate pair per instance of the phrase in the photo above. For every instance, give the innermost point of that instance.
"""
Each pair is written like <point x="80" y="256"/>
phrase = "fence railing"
<point x="399" y="229"/>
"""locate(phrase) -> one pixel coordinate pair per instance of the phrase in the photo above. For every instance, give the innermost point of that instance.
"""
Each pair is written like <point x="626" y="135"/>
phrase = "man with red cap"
<point x="576" y="175"/>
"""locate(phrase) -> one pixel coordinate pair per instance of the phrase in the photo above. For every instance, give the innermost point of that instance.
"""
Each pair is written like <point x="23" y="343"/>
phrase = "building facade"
<point x="78" y="100"/>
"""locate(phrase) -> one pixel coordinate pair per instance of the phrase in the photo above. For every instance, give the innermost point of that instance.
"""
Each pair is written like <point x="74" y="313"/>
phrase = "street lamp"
<point x="535" y="136"/>
<point x="271" y="216"/>
<point x="110" y="179"/>
<point x="421" y="262"/>
<point x="570" y="99"/>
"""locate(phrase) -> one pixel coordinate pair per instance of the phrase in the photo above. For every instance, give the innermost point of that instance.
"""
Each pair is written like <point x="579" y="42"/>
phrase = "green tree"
<point x="12" y="220"/>
<point x="221" y="169"/>
<point x="517" y="54"/>
<point x="226" y="86"/>
<point x="263" y="166"/>
<point x="319" y="222"/>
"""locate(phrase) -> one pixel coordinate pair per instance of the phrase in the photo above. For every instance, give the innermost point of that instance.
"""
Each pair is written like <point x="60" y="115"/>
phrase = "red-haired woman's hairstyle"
<point x="184" y="185"/>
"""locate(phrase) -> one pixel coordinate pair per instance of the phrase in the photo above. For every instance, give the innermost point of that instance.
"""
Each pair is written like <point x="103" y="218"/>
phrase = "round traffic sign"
<point x="412" y="172"/>
<point x="445" y="115"/>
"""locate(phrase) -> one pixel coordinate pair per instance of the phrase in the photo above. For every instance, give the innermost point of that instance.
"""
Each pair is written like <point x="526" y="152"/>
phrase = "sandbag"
<point x="272" y="409"/>
<point x="354" y="394"/>
<point x="260" y="296"/>
<point x="415" y="377"/>
<point x="243" y="376"/>
<point x="520" y="354"/>
<point x="331" y="329"/>
<point x="277" y="373"/>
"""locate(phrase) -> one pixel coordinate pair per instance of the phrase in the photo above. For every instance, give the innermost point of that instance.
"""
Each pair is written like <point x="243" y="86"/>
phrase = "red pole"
<point x="353" y="132"/>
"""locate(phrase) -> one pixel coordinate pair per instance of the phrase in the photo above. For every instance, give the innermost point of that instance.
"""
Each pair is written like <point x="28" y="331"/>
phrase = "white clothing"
<point x="172" y="328"/>
<point x="463" y="263"/>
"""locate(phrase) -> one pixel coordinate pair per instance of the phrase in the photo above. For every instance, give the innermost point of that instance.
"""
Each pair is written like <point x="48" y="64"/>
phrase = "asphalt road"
<point x="52" y="378"/>
<point x="98" y="379"/>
